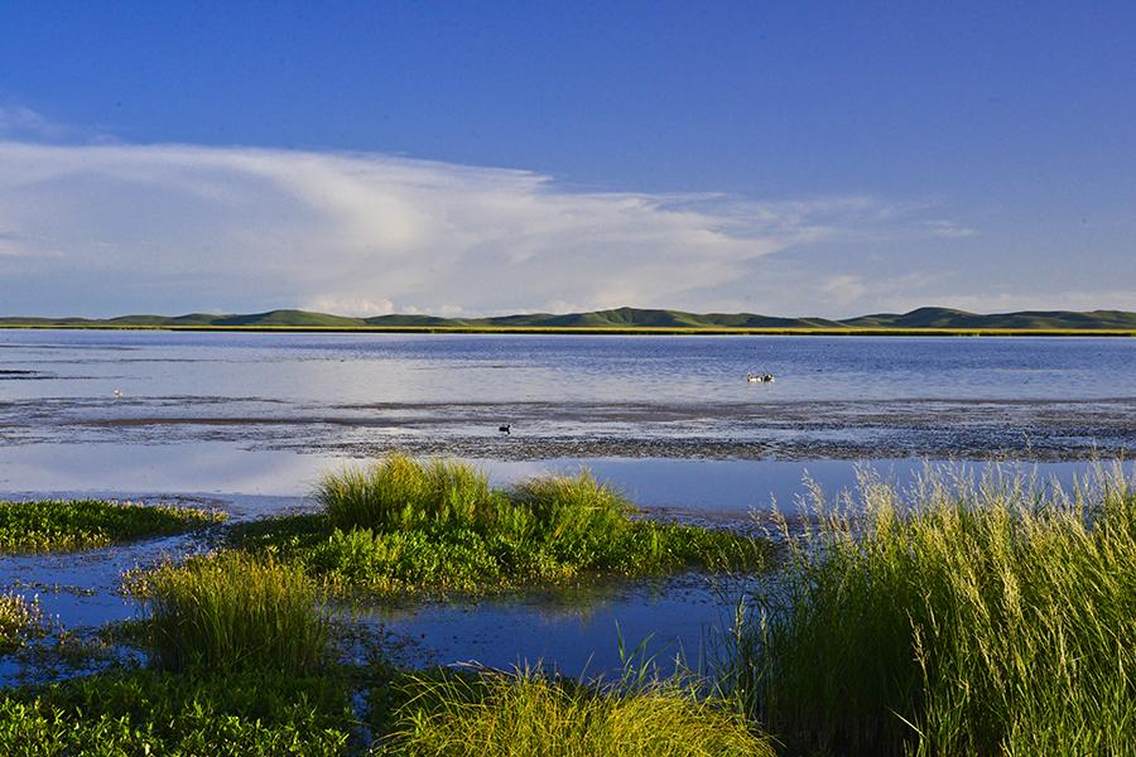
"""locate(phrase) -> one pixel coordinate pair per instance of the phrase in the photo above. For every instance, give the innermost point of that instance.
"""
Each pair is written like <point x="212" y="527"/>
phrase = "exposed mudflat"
<point x="978" y="429"/>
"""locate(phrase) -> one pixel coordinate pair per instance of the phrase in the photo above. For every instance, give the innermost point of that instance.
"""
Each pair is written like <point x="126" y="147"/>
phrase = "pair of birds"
<point x="759" y="378"/>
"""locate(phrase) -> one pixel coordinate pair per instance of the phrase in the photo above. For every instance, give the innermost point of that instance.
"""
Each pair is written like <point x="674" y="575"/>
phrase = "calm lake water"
<point x="248" y="421"/>
<point x="573" y="396"/>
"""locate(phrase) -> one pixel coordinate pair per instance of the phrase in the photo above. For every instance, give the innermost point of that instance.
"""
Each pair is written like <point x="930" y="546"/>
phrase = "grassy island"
<point x="70" y="525"/>
<point x="404" y="527"/>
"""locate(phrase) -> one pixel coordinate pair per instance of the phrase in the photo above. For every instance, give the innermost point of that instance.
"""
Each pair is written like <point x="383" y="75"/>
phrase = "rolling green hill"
<point x="617" y="318"/>
<point x="946" y="318"/>
<point x="928" y="318"/>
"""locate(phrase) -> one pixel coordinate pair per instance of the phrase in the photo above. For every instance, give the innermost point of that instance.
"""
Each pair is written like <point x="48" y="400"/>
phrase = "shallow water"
<point x="578" y="396"/>
<point x="575" y="634"/>
<point x="247" y="422"/>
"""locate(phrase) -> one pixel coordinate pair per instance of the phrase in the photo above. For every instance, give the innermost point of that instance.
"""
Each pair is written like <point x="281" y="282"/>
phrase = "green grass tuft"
<point x="528" y="714"/>
<point x="230" y="611"/>
<point x="970" y="617"/>
<point x="400" y="492"/>
<point x="69" y="525"/>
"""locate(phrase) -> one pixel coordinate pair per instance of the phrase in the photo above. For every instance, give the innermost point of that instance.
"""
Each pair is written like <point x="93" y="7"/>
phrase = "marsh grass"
<point x="20" y="620"/>
<point x="961" y="617"/>
<point x="69" y="525"/>
<point x="138" y="712"/>
<point x="230" y="611"/>
<point x="401" y="492"/>
<point x="409" y="528"/>
<point x="493" y="713"/>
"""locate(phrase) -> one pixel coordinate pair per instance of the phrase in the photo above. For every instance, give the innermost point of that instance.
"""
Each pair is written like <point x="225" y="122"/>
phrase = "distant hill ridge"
<point x="625" y="318"/>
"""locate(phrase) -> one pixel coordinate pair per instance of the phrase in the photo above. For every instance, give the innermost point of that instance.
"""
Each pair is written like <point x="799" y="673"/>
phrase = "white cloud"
<point x="353" y="306"/>
<point x="844" y="289"/>
<point x="17" y="121"/>
<point x="949" y="229"/>
<point x="1106" y="299"/>
<point x="168" y="227"/>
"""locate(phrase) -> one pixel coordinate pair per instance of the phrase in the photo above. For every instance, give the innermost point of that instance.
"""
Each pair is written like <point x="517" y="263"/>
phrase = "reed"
<point x="962" y="616"/>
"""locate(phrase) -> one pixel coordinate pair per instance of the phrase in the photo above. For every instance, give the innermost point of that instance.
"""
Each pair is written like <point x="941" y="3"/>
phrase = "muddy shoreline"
<point x="943" y="429"/>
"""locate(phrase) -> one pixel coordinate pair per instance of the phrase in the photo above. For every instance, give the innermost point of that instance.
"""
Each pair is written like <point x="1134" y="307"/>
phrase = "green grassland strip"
<point x="588" y="330"/>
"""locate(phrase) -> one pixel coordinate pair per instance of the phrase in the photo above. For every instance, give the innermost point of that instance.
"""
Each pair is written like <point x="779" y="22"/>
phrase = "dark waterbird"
<point x="505" y="429"/>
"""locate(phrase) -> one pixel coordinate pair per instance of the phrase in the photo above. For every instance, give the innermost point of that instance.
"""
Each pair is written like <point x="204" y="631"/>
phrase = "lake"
<point x="247" y="421"/>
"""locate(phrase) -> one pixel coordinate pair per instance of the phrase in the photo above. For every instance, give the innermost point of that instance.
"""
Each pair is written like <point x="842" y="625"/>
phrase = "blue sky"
<point x="827" y="158"/>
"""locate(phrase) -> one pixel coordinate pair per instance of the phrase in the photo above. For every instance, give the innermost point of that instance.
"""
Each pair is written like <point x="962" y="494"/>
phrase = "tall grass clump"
<point x="571" y="508"/>
<point x="230" y="611"/>
<point x="962" y="616"/>
<point x="402" y="492"/>
<point x="68" y="525"/>
<point x="495" y="714"/>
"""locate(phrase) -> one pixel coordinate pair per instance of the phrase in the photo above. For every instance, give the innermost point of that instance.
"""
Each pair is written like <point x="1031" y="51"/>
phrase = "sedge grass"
<point x="401" y="492"/>
<point x="230" y="611"/>
<point x="966" y="616"/>
<point x="494" y="714"/>
<point x="404" y="527"/>
<point x="69" y="525"/>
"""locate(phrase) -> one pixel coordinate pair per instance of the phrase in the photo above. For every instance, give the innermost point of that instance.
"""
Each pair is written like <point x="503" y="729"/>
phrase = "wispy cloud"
<point x="21" y="123"/>
<point x="179" y="227"/>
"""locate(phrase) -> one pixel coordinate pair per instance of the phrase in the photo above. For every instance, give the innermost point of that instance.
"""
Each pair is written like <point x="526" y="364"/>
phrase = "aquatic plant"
<point x="403" y="492"/>
<point x="404" y="527"/>
<point x="494" y="713"/>
<point x="965" y="616"/>
<point x="229" y="611"/>
<point x="150" y="712"/>
<point x="20" y="620"/>
<point x="68" y="525"/>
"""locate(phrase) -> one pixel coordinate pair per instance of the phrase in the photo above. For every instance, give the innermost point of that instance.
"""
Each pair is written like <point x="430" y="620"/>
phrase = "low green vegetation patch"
<point x="495" y="714"/>
<point x="140" y="712"/>
<point x="20" y="620"/>
<point x="143" y="711"/>
<point x="987" y="617"/>
<point x="230" y="612"/>
<point x="68" y="525"/>
<point x="402" y="526"/>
